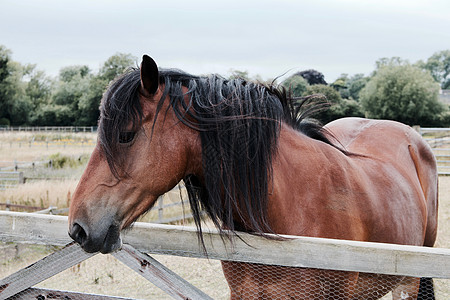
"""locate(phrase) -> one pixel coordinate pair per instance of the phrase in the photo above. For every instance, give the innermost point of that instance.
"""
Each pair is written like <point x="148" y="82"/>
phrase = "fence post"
<point x="21" y="178"/>
<point x="160" y="209"/>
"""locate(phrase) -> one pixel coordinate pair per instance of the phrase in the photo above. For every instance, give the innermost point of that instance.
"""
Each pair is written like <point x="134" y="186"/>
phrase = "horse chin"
<point x="112" y="241"/>
<point x="111" y="247"/>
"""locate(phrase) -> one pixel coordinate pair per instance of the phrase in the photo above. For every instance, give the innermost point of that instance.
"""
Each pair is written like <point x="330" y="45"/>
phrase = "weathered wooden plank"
<point x="35" y="293"/>
<point x="143" y="264"/>
<point x="295" y="251"/>
<point x="158" y="274"/>
<point x="34" y="228"/>
<point x="43" y="269"/>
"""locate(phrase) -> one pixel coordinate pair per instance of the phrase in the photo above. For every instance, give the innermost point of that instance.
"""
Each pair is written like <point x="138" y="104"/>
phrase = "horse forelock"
<point x="238" y="123"/>
<point x="120" y="107"/>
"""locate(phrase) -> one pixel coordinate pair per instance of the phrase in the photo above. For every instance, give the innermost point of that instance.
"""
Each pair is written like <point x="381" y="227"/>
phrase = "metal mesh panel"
<point x="251" y="281"/>
<point x="263" y="282"/>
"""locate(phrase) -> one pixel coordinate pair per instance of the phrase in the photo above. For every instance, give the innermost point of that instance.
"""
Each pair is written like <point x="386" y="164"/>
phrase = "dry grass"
<point x="28" y="136"/>
<point x="37" y="153"/>
<point x="443" y="239"/>
<point x="41" y="193"/>
<point x="32" y="146"/>
<point x="29" y="146"/>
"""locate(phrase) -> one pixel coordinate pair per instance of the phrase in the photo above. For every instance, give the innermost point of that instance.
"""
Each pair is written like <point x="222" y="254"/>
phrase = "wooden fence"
<point x="439" y="140"/>
<point x="163" y="206"/>
<point x="10" y="179"/>
<point x="175" y="240"/>
<point x="49" y="128"/>
<point x="15" y="165"/>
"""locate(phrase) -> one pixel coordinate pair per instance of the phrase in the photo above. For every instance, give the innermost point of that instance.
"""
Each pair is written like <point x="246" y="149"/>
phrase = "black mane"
<point x="239" y="124"/>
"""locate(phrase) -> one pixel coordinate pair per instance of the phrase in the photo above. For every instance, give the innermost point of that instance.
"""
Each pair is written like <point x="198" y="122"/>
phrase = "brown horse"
<point x="253" y="162"/>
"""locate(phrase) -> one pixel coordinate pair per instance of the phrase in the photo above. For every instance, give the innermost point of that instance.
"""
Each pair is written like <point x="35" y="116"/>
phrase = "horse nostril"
<point x="78" y="234"/>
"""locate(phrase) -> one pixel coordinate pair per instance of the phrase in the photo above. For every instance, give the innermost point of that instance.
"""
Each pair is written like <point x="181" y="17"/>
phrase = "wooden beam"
<point x="294" y="251"/>
<point x="159" y="275"/>
<point x="43" y="269"/>
<point x="19" y="283"/>
<point x="37" y="293"/>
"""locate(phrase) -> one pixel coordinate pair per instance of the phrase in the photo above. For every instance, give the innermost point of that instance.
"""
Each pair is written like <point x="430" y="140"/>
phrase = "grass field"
<point x="102" y="273"/>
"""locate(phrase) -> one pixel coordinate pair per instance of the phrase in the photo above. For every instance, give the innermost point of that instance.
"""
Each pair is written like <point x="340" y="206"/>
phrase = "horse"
<point x="253" y="160"/>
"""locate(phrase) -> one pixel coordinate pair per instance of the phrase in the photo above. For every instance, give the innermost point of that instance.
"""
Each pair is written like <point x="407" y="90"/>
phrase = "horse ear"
<point x="149" y="75"/>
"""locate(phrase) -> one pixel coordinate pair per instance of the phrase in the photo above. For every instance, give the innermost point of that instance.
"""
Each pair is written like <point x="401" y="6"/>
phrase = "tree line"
<point x="29" y="97"/>
<point x="396" y="90"/>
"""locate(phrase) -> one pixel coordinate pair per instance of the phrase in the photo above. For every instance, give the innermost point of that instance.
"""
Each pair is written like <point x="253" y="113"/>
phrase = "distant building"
<point x="444" y="96"/>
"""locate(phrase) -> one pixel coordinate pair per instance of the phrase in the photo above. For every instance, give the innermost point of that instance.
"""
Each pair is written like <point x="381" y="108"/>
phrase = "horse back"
<point x="394" y="144"/>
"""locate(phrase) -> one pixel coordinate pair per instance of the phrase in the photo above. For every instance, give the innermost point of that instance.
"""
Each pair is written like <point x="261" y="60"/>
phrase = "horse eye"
<point x="126" y="137"/>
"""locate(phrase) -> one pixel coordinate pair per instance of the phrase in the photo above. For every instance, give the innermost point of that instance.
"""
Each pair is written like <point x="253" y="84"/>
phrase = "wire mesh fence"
<point x="277" y="282"/>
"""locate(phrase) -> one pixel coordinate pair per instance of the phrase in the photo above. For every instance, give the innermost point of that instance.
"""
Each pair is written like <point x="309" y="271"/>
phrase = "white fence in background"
<point x="48" y="128"/>
<point x="439" y="140"/>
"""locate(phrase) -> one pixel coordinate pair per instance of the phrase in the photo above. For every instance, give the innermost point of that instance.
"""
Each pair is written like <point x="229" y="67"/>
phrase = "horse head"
<point x="138" y="157"/>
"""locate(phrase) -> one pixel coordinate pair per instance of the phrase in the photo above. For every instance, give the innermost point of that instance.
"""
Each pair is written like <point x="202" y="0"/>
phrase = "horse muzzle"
<point x="105" y="238"/>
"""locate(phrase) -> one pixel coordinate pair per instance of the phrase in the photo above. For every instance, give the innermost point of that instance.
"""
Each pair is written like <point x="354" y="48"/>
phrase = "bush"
<point x="339" y="107"/>
<point x="59" y="161"/>
<point x="403" y="93"/>
<point x="4" y="122"/>
<point x="296" y="84"/>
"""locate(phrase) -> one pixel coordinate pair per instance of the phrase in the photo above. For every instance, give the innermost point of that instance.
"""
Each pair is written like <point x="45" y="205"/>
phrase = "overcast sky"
<point x="263" y="37"/>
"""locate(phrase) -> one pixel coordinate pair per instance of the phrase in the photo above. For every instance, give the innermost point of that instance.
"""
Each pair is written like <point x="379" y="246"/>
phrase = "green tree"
<point x="5" y="71"/>
<point x="389" y="61"/>
<point x="439" y="66"/>
<point x="339" y="107"/>
<point x="54" y="115"/>
<point x="350" y="87"/>
<point x="38" y="88"/>
<point x="14" y="103"/>
<point x="72" y="85"/>
<point x="116" y="65"/>
<point x="341" y="85"/>
<point x="402" y="92"/>
<point x="89" y="102"/>
<point x="297" y="84"/>
<point x="239" y="74"/>
<point x="312" y="77"/>
<point x="355" y="84"/>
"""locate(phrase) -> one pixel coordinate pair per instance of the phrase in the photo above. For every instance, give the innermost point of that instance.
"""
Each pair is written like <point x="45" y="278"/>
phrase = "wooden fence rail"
<point x="296" y="251"/>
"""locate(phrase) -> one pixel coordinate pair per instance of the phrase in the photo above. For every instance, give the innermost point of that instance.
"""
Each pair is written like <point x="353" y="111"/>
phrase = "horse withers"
<point x="253" y="162"/>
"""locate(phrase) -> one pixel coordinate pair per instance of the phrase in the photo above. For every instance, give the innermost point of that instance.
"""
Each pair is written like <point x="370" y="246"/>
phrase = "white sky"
<point x="263" y="37"/>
